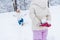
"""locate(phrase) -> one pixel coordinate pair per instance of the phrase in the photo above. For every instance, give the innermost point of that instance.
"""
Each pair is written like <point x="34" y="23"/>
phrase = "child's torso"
<point x="41" y="10"/>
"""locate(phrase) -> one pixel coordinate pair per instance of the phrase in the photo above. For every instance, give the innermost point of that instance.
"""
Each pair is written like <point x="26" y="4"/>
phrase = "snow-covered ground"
<point x="10" y="30"/>
<point x="55" y="14"/>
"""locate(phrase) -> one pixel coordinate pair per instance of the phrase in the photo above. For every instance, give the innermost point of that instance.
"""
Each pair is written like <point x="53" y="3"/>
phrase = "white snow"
<point x="55" y="13"/>
<point x="10" y="30"/>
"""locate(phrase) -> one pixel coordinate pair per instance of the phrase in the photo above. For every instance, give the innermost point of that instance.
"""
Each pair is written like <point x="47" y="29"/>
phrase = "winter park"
<point x="10" y="29"/>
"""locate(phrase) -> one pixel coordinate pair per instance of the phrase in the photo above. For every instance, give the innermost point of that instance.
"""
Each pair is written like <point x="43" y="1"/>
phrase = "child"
<point x="39" y="14"/>
<point x="19" y="17"/>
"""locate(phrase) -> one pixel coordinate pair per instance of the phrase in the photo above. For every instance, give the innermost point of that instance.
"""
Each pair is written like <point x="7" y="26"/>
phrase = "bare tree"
<point x="15" y="4"/>
<point x="48" y="3"/>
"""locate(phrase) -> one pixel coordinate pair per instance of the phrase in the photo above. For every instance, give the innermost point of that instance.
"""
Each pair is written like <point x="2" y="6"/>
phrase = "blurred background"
<point x="12" y="5"/>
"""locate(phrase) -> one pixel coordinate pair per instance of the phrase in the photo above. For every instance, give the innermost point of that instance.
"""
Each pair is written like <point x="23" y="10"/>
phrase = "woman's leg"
<point x="37" y="35"/>
<point x="44" y="34"/>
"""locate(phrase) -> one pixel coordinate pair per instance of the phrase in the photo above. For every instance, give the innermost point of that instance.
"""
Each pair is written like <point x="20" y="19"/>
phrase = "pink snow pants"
<point x="40" y="34"/>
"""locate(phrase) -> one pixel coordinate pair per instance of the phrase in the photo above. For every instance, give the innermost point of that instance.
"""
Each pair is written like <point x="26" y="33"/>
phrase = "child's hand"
<point x="45" y="22"/>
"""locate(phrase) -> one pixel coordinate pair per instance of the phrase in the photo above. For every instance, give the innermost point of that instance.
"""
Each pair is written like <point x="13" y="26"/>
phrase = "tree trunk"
<point x="15" y="4"/>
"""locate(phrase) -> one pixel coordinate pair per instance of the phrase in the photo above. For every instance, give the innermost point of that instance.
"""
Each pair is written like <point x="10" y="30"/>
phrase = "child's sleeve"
<point x="32" y="14"/>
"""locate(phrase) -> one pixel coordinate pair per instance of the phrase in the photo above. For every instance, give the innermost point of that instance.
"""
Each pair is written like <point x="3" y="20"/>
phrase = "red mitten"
<point x="45" y="25"/>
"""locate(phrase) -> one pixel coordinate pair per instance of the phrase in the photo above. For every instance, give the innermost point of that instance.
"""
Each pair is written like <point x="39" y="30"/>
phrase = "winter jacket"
<point x="39" y="10"/>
